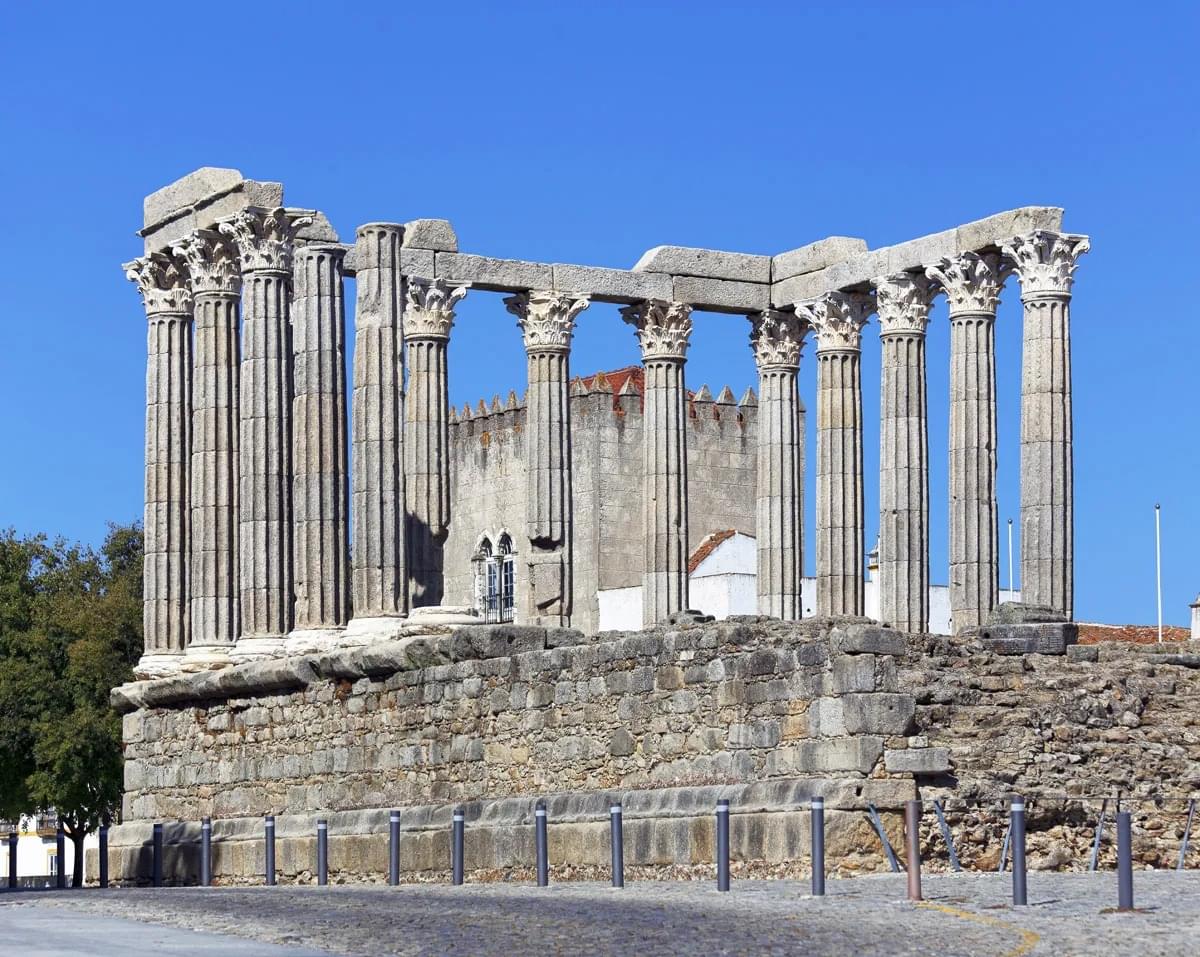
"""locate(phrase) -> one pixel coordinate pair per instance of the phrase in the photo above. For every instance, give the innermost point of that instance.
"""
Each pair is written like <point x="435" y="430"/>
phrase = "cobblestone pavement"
<point x="966" y="914"/>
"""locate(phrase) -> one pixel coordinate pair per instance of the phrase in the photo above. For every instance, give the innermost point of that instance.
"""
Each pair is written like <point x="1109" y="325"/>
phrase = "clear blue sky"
<point x="590" y="132"/>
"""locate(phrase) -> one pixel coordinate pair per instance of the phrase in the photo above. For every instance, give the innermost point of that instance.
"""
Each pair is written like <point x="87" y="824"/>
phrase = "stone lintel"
<point x="814" y="256"/>
<point x="199" y="201"/>
<point x="705" y="263"/>
<point x="435" y="234"/>
<point x="413" y="262"/>
<point x="722" y="295"/>
<point x="857" y="272"/>
<point x="611" y="285"/>
<point x="493" y="275"/>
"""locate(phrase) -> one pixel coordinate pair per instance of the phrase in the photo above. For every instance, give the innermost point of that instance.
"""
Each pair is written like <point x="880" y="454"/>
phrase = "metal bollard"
<point x="722" y="845"/>
<point x="269" y="847"/>
<point x="322" y="852"/>
<point x="156" y="877"/>
<point x="102" y="855"/>
<point x="1124" y="861"/>
<point x="912" y="841"/>
<point x="818" y="847"/>
<point x="206" y="852"/>
<point x="1017" y="829"/>
<point x="456" y="847"/>
<point x="539" y="833"/>
<point x="617" y="829"/>
<point x="12" y="859"/>
<point x="394" y="848"/>
<point x="60" y="849"/>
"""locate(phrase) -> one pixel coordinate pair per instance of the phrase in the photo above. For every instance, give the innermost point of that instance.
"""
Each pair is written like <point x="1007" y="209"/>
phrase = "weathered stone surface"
<point x="495" y="641"/>
<point x="707" y="263"/>
<point x="917" y="761"/>
<point x="1045" y="639"/>
<point x="814" y="256"/>
<point x="867" y="639"/>
<point x="878" y="713"/>
<point x="722" y="295"/>
<point x="202" y="204"/>
<point x="436" y="234"/>
<point x="197" y="186"/>
<point x="611" y="285"/>
<point x="497" y="275"/>
<point x="1021" y="613"/>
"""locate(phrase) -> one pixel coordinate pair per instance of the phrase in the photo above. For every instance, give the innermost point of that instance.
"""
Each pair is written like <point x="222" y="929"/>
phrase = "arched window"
<point x="495" y="579"/>
<point x="508" y="578"/>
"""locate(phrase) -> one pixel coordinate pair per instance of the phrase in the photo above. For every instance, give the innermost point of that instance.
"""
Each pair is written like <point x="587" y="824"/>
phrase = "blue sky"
<point x="591" y="132"/>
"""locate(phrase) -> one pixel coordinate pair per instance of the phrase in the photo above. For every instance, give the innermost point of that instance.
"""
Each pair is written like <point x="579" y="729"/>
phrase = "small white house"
<point x="37" y="850"/>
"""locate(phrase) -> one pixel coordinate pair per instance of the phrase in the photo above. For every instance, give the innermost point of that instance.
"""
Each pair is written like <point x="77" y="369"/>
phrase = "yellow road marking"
<point x="1029" y="939"/>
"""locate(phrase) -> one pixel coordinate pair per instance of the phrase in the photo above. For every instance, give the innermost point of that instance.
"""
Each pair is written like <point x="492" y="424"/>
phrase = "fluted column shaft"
<point x="379" y="569"/>
<point x="167" y="298"/>
<point x="777" y="339"/>
<point x="838" y="319"/>
<point x="428" y="319"/>
<point x="547" y="322"/>
<point x="972" y="283"/>
<point x="903" y="307"/>
<point x="1046" y="263"/>
<point x="320" y="489"/>
<point x="663" y="330"/>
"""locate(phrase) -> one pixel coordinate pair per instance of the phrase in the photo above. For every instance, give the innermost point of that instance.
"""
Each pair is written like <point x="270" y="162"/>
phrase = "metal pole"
<point x="1158" y="562"/>
<point x="1099" y="834"/>
<point x="394" y="848"/>
<point x="1017" y="827"/>
<point x="912" y="841"/>
<point x="1124" y="862"/>
<point x="206" y="852"/>
<point x="12" y="859"/>
<point x="1011" y="596"/>
<point x="269" y="837"/>
<point x="543" y="862"/>
<point x="947" y="835"/>
<point x="322" y="852"/>
<point x="818" y="846"/>
<point x="722" y="845"/>
<point x="618" y="845"/>
<point x="102" y="855"/>
<point x="883" y="839"/>
<point x="60" y="850"/>
<point x="156" y="876"/>
<point x="1187" y="829"/>
<point x="456" y="847"/>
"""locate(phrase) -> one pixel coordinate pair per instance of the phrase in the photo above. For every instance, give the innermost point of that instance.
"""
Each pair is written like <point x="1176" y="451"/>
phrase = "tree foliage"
<point x="70" y="630"/>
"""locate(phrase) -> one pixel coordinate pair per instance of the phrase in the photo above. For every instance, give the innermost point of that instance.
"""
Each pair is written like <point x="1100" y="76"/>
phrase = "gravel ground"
<point x="965" y="914"/>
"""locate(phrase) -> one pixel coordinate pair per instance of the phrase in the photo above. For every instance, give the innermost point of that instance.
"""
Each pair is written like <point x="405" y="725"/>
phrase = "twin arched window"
<point x="495" y="578"/>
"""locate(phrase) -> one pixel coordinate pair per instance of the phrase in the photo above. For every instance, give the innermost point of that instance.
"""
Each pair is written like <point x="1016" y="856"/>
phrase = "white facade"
<point x="37" y="849"/>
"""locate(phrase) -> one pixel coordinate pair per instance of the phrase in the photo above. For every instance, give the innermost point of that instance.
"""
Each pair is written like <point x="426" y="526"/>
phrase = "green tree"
<point x="70" y="630"/>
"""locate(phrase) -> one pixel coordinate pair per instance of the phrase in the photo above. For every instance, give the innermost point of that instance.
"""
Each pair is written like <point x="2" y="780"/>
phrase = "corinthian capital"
<point x="838" y="319"/>
<point x="265" y="238"/>
<point x="162" y="282"/>
<point x="777" y="339"/>
<point x="972" y="281"/>
<point x="211" y="261"/>
<point x="902" y="303"/>
<point x="663" y="328"/>
<point x="1045" y="261"/>
<point x="429" y="307"/>
<point x="546" y="319"/>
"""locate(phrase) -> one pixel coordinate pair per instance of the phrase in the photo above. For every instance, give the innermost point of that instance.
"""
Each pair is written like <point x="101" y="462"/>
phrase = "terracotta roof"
<point x="1093" y="634"/>
<point x="708" y="546"/>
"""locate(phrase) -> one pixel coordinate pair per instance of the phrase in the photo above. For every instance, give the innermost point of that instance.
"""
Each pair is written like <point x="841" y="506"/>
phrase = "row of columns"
<point x="249" y="506"/>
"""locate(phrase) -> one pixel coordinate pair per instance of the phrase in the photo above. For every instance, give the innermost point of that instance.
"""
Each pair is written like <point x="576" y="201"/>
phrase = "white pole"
<point x="1010" y="575"/>
<point x="1158" y="563"/>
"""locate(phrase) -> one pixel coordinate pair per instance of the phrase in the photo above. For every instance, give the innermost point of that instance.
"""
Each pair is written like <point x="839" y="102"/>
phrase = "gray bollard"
<point x="206" y="852"/>
<point x="540" y="843"/>
<point x="394" y="848"/>
<point x="60" y="849"/>
<point x="617" y="830"/>
<point x="102" y="855"/>
<point x="322" y="852"/>
<point x="722" y="845"/>
<point x="12" y="859"/>
<point x="456" y="846"/>
<point x="818" y="847"/>
<point x="156" y="875"/>
<point x="1017" y="829"/>
<point x="912" y="843"/>
<point x="1124" y="861"/>
<point x="269" y="849"/>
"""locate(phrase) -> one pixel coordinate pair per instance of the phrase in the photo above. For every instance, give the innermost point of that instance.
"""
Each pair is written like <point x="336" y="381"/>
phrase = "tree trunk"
<point x="76" y="837"/>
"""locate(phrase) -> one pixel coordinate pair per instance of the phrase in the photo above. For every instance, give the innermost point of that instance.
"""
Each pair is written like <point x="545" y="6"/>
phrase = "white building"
<point x="37" y="851"/>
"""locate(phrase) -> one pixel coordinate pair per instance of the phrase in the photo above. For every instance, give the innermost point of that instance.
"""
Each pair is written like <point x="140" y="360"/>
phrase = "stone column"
<point x="264" y="239"/>
<point x="320" y="487"/>
<point x="972" y="283"/>
<point x="379" y="573"/>
<point x="217" y="284"/>
<point x="777" y="339"/>
<point x="902" y="303"/>
<point x="838" y="319"/>
<point x="663" y="329"/>
<point x="163" y="284"/>
<point x="428" y="318"/>
<point x="1045" y="262"/>
<point x="547" y="321"/>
